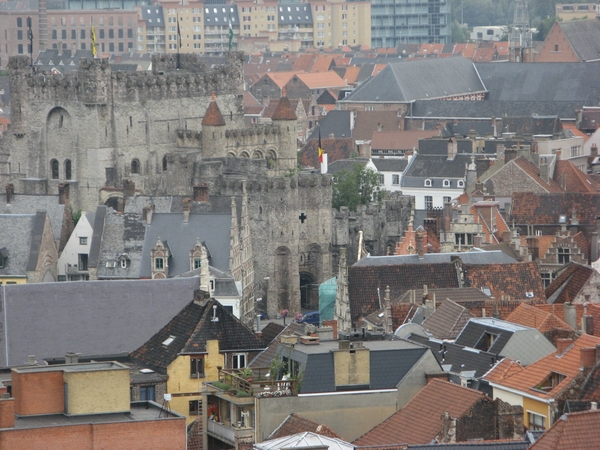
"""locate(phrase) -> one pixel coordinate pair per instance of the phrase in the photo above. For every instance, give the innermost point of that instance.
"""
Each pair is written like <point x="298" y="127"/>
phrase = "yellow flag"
<point x="93" y="41"/>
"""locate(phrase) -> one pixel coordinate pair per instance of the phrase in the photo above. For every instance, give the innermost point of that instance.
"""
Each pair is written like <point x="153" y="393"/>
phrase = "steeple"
<point x="284" y="110"/>
<point x="213" y="116"/>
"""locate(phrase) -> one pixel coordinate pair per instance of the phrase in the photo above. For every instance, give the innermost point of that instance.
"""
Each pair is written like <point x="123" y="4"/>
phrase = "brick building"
<point x="83" y="406"/>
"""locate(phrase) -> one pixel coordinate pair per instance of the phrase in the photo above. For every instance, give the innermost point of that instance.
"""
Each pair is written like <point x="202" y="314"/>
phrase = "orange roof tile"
<point x="544" y="243"/>
<point x="212" y="116"/>
<point x="303" y="63"/>
<point x="502" y="48"/>
<point x="351" y="74"/>
<point x="321" y="80"/>
<point x="534" y="172"/>
<point x="419" y="421"/>
<point x="572" y="179"/>
<point x="572" y="127"/>
<point x="378" y="68"/>
<point x="533" y="317"/>
<point x="576" y="431"/>
<point x="567" y="364"/>
<point x="400" y="139"/>
<point x="281" y="78"/>
<point x="569" y="283"/>
<point x="504" y="368"/>
<point x="493" y="230"/>
<point x="431" y="49"/>
<point x="321" y="63"/>
<point x="484" y="55"/>
<point x="466" y="50"/>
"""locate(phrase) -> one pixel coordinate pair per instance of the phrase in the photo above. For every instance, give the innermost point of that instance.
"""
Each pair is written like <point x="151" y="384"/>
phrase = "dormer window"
<point x="159" y="263"/>
<point x="461" y="183"/>
<point x="197" y="263"/>
<point x="446" y="183"/>
<point x="3" y="257"/>
<point x="123" y="263"/>
<point x="427" y="183"/>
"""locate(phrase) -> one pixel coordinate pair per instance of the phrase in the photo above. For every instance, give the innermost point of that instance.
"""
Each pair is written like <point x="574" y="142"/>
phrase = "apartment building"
<point x="258" y="18"/>
<point x="184" y="26"/>
<point x="151" y="29"/>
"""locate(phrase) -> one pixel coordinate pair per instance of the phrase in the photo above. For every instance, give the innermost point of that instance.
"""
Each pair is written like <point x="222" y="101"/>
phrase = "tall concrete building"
<point x="409" y="22"/>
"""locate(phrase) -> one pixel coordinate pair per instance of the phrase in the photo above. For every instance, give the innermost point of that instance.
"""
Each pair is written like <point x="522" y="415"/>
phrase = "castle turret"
<point x="285" y="117"/>
<point x="213" y="130"/>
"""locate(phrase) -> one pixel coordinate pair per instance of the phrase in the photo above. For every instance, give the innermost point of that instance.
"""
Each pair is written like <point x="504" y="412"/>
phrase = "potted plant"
<point x="246" y="372"/>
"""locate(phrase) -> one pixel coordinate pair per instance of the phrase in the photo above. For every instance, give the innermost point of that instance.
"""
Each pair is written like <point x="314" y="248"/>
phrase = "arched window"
<point x="164" y="163"/>
<point x="135" y="166"/>
<point x="68" y="169"/>
<point x="446" y="183"/>
<point x="54" y="169"/>
<point x="428" y="183"/>
<point x="461" y="183"/>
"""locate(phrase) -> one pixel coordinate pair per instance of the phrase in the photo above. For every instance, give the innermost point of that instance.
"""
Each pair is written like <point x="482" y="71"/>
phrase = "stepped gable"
<point x="213" y="116"/>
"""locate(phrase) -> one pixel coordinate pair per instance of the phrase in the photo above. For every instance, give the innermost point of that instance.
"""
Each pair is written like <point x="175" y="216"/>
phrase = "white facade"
<point x="390" y="180"/>
<point x="571" y="149"/>
<point x="73" y="261"/>
<point x="490" y="33"/>
<point x="432" y="197"/>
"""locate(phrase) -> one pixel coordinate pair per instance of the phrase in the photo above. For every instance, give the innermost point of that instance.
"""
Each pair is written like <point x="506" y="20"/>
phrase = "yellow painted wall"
<point x="180" y="381"/>
<point x="104" y="391"/>
<point x="537" y="407"/>
<point x="12" y="280"/>
<point x="352" y="367"/>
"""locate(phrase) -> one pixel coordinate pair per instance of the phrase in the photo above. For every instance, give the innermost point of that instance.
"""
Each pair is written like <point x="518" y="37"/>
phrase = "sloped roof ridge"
<point x="392" y="68"/>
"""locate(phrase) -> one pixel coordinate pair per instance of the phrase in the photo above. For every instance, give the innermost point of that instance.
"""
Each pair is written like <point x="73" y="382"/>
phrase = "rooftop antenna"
<point x="520" y="39"/>
<point x="214" y="317"/>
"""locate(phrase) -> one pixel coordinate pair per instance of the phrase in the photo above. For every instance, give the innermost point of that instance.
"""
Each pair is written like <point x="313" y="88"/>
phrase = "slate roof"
<point x="29" y="204"/>
<point x="264" y="358"/>
<point x="511" y="340"/>
<point x="16" y="237"/>
<point x="220" y="14"/>
<point x="271" y="331"/>
<point x="472" y="257"/>
<point x="92" y="318"/>
<point x="152" y="13"/>
<point x="294" y="14"/>
<point x="390" y="362"/>
<point x="569" y="283"/>
<point x="457" y="358"/>
<point x="463" y="128"/>
<point x="530" y="316"/>
<point x="213" y="230"/>
<point x="66" y="62"/>
<point x="424" y="79"/>
<point x="212" y="116"/>
<point x="345" y="164"/>
<point x="436" y="146"/>
<point x="532" y="125"/>
<point x="584" y="37"/>
<point x="365" y="280"/>
<point x="336" y="122"/>
<point x="579" y="431"/>
<point x="567" y="364"/>
<point x="191" y="328"/>
<point x="536" y="208"/>
<point x="419" y="421"/>
<point x="519" y="280"/>
<point x="390" y="164"/>
<point x="437" y="168"/>
<point x="533" y="172"/>
<point x="400" y="140"/>
<point x="295" y="423"/>
<point x="455" y="294"/>
<point x="447" y="320"/>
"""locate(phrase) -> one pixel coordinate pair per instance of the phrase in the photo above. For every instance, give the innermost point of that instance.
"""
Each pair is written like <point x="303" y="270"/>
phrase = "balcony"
<point x="241" y="384"/>
<point x="73" y="269"/>
<point x="228" y="433"/>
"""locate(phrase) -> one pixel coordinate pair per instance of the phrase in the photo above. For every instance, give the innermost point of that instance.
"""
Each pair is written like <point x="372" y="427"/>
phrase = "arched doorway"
<point x="308" y="289"/>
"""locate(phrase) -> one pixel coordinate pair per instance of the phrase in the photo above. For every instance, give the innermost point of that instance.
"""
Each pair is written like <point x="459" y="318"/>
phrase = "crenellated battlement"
<point x="96" y="83"/>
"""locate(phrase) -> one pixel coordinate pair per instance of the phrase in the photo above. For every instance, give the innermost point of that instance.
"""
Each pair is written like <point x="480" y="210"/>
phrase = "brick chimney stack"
<point x="187" y="208"/>
<point x="419" y="238"/>
<point x="562" y="345"/>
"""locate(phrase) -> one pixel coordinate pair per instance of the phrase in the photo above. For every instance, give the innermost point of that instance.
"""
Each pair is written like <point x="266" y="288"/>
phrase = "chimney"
<point x="63" y="194"/>
<point x="544" y="172"/>
<point x="333" y="324"/>
<point x="187" y="208"/>
<point x="331" y="136"/>
<point x="419" y="237"/>
<point x="10" y="192"/>
<point x="31" y="360"/>
<point x="60" y="49"/>
<point x="7" y="413"/>
<point x="506" y="236"/>
<point x="533" y="247"/>
<point x="477" y="241"/>
<point x="73" y="49"/>
<point x="570" y="315"/>
<point x="562" y="345"/>
<point x="593" y="245"/>
<point x="587" y="357"/>
<point x="593" y="406"/>
<point x="587" y="324"/>
<point x="72" y="358"/>
<point x="147" y="213"/>
<point x="388" y="326"/>
<point x="452" y="148"/>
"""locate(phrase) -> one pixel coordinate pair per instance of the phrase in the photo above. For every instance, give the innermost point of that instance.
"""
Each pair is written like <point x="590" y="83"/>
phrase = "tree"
<point x="357" y="186"/>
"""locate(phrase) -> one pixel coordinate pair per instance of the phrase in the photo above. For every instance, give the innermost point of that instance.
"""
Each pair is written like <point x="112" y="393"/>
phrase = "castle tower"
<point x="213" y="131"/>
<point x="342" y="304"/>
<point x="247" y="307"/>
<point x="285" y="117"/>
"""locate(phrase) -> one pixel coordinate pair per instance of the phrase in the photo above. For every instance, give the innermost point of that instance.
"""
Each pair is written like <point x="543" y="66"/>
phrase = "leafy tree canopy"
<point x="356" y="186"/>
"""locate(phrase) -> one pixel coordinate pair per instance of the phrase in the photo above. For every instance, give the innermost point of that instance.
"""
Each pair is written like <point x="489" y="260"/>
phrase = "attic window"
<point x="428" y="183"/>
<point x="461" y="183"/>
<point x="486" y="341"/>
<point x="123" y="263"/>
<point x="446" y="183"/>
<point x="529" y="294"/>
<point x="168" y="341"/>
<point x="487" y="291"/>
<point x="551" y="381"/>
<point x="111" y="264"/>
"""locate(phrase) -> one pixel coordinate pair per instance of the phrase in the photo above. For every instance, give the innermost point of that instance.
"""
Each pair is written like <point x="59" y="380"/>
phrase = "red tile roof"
<point x="534" y="172"/>
<point x="512" y="281"/>
<point x="574" y="431"/>
<point x="294" y="424"/>
<point x="572" y="179"/>
<point x="351" y="74"/>
<point x="336" y="149"/>
<point x="419" y="421"/>
<point x="493" y="230"/>
<point x="533" y="317"/>
<point x="567" y="364"/>
<point x="447" y="321"/>
<point x="321" y="80"/>
<point x="569" y="283"/>
<point x="284" y="110"/>
<point x="213" y="116"/>
<point x="536" y="208"/>
<point x="503" y="369"/>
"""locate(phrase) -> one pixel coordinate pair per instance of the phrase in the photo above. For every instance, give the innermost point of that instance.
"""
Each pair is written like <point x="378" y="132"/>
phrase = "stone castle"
<point x="178" y="131"/>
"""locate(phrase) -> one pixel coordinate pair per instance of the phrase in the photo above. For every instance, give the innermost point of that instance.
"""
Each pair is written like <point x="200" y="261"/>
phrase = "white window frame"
<point x="428" y="183"/>
<point x="446" y="183"/>
<point x="237" y="358"/>
<point x="461" y="183"/>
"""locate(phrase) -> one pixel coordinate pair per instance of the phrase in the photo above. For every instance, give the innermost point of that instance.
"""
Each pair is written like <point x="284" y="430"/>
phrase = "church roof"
<point x="284" y="110"/>
<point x="213" y="116"/>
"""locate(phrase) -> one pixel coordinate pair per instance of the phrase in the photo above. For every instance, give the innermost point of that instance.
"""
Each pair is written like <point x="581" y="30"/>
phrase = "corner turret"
<point x="213" y="130"/>
<point x="286" y="118"/>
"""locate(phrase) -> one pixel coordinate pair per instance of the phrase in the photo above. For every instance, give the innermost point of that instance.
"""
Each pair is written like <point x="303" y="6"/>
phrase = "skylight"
<point x="168" y="341"/>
